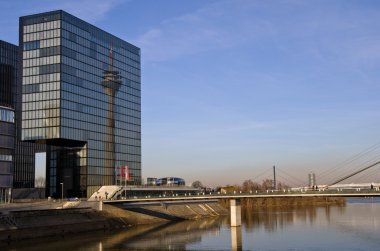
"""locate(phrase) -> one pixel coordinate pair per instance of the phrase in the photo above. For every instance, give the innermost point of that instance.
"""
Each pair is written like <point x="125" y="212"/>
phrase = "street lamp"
<point x="62" y="191"/>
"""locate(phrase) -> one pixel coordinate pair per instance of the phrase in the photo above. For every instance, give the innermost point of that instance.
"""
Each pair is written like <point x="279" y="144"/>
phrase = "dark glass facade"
<point x="68" y="105"/>
<point x="8" y="77"/>
<point x="17" y="158"/>
<point x="8" y="74"/>
<point x="7" y="144"/>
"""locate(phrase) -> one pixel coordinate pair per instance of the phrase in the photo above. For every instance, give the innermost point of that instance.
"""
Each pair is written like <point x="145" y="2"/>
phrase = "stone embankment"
<point x="164" y="212"/>
<point x="50" y="219"/>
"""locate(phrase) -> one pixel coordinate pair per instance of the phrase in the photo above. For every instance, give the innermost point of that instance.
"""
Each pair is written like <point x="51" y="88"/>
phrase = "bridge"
<point x="127" y="194"/>
<point x="148" y="194"/>
<point x="162" y="195"/>
<point x="269" y="194"/>
<point x="234" y="198"/>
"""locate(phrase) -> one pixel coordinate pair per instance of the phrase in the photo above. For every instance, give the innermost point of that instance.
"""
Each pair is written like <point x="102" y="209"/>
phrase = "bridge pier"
<point x="235" y="213"/>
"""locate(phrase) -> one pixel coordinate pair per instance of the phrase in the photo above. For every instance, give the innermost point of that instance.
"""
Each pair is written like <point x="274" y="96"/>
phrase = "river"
<point x="355" y="226"/>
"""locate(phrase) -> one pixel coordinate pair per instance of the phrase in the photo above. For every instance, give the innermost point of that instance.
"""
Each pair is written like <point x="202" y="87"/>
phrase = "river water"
<point x="355" y="226"/>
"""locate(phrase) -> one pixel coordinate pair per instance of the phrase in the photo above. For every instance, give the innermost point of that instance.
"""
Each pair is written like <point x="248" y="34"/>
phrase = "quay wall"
<point x="37" y="222"/>
<point x="164" y="212"/>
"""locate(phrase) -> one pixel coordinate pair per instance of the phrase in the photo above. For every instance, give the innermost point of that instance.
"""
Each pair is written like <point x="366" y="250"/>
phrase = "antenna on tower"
<point x="111" y="78"/>
<point x="110" y="56"/>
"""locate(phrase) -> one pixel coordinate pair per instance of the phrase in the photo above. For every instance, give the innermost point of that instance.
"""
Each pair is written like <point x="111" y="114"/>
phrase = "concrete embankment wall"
<point x="40" y="223"/>
<point x="154" y="213"/>
<point x="26" y="224"/>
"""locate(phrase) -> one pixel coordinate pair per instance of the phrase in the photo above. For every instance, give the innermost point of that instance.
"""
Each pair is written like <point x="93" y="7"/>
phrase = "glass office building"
<point x="8" y="78"/>
<point x="81" y="96"/>
<point x="7" y="144"/>
<point x="17" y="158"/>
<point x="8" y="73"/>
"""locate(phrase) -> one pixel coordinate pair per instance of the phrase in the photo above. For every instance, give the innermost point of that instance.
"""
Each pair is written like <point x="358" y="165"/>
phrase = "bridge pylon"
<point x="235" y="212"/>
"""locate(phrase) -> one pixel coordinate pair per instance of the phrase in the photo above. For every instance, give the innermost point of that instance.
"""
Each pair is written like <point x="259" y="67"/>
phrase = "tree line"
<point x="249" y="185"/>
<point x="267" y="184"/>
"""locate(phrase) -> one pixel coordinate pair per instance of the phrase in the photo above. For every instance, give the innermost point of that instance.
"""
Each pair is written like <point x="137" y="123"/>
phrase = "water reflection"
<point x="355" y="227"/>
<point x="175" y="236"/>
<point x="274" y="219"/>
<point x="236" y="239"/>
<point x="171" y="236"/>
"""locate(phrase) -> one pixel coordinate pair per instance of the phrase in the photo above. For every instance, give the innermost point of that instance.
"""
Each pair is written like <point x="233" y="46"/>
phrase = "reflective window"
<point x="32" y="45"/>
<point x="7" y="115"/>
<point x="6" y="157"/>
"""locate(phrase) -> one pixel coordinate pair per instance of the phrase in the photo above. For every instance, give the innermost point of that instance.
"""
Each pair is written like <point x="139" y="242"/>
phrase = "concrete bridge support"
<point x="235" y="213"/>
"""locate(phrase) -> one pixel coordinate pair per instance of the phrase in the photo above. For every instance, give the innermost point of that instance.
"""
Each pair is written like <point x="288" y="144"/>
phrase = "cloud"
<point x="211" y="27"/>
<point x="327" y="32"/>
<point x="89" y="10"/>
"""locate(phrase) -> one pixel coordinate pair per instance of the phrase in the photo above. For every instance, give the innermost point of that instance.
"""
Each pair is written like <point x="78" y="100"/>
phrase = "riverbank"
<point x="42" y="220"/>
<point x="34" y="220"/>
<point x="322" y="227"/>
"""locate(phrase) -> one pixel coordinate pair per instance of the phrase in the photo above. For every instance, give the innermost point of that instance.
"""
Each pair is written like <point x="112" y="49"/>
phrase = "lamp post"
<point x="62" y="191"/>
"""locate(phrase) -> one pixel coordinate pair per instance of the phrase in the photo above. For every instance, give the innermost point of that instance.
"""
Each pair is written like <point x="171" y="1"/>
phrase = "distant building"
<point x="170" y="181"/>
<point x="151" y="181"/>
<point x="228" y="189"/>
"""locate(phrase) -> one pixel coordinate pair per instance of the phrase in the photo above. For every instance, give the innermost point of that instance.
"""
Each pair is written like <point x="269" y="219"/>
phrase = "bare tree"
<point x="256" y="186"/>
<point x="40" y="184"/>
<point x="267" y="184"/>
<point x="197" y="184"/>
<point x="282" y="186"/>
<point x="247" y="186"/>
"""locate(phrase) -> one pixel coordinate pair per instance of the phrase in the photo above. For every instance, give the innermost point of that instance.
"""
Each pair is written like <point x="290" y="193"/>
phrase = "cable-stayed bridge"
<point x="366" y="162"/>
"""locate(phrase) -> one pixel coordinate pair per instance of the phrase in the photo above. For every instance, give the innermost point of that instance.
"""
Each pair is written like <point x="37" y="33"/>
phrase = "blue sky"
<point x="232" y="87"/>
